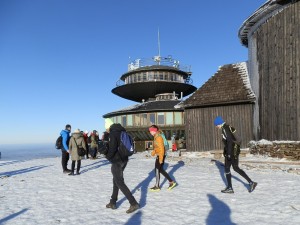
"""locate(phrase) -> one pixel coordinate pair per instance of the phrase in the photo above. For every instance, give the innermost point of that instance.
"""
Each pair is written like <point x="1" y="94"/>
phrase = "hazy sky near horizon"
<point x="59" y="59"/>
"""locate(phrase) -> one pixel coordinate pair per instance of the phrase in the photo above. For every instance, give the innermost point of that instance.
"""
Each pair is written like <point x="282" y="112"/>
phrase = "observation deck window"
<point x="161" y="118"/>
<point x="152" y="118"/>
<point x="169" y="118"/>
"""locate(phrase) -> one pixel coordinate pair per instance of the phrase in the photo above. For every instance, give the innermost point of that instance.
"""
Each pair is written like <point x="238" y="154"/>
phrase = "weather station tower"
<point x="157" y="84"/>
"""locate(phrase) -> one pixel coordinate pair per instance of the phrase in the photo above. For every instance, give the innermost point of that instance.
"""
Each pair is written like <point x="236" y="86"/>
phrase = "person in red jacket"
<point x="86" y="137"/>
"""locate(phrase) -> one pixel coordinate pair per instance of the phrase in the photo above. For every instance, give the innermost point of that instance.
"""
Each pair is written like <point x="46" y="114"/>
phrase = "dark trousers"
<point x="64" y="159"/>
<point x="118" y="183"/>
<point x="93" y="152"/>
<point x="78" y="166"/>
<point x="87" y="151"/>
<point x="235" y="165"/>
<point x="159" y="169"/>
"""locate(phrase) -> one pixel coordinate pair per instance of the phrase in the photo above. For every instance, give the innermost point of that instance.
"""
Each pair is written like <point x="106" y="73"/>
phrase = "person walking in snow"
<point x="159" y="151"/>
<point x="231" y="154"/>
<point x="118" y="165"/>
<point x="65" y="148"/>
<point x="76" y="141"/>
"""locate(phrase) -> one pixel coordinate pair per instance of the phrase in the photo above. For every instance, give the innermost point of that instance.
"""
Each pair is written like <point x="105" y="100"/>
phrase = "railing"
<point x="157" y="60"/>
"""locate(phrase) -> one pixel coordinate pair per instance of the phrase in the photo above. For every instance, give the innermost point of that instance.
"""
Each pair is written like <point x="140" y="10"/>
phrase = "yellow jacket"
<point x="159" y="147"/>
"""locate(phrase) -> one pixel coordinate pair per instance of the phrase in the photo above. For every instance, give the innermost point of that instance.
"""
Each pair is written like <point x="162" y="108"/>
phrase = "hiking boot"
<point x="71" y="174"/>
<point x="155" y="188"/>
<point x="172" y="185"/>
<point x="132" y="208"/>
<point x="228" y="190"/>
<point x="78" y="173"/>
<point x="111" y="206"/>
<point x="252" y="186"/>
<point x="67" y="171"/>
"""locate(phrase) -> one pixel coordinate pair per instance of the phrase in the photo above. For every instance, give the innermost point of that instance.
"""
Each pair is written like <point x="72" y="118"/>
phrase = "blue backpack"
<point x="166" y="143"/>
<point x="126" y="145"/>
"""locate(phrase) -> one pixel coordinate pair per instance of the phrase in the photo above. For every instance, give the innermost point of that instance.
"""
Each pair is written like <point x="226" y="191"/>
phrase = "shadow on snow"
<point x="95" y="165"/>
<point x="5" y="219"/>
<point x="220" y="212"/>
<point x="17" y="172"/>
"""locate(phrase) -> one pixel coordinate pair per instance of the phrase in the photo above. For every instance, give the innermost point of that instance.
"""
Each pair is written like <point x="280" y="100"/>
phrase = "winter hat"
<point x="218" y="121"/>
<point x="77" y="131"/>
<point x="108" y="123"/>
<point x="68" y="126"/>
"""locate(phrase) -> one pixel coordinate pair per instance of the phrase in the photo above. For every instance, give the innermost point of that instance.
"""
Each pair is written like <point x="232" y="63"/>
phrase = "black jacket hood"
<point x="116" y="127"/>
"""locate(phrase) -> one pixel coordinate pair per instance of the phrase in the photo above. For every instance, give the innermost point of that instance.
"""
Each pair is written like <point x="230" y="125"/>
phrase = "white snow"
<point x="35" y="191"/>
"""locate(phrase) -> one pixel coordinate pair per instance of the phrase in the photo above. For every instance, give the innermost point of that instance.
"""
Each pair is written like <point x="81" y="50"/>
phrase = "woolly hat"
<point x="77" y="131"/>
<point x="218" y="121"/>
<point x="108" y="123"/>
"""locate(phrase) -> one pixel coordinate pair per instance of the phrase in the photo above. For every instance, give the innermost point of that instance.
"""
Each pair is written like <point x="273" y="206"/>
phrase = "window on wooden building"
<point x="124" y="120"/>
<point x="152" y="118"/>
<point x="137" y="120"/>
<point x="144" y="120"/>
<point x="148" y="145"/>
<point x="178" y="117"/>
<point x="169" y="118"/>
<point x="129" y="120"/>
<point x="161" y="118"/>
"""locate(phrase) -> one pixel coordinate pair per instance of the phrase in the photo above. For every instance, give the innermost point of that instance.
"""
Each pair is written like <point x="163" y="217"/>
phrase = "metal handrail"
<point x="157" y="60"/>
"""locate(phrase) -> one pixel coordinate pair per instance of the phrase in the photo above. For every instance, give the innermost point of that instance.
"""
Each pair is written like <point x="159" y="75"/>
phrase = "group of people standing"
<point x="71" y="144"/>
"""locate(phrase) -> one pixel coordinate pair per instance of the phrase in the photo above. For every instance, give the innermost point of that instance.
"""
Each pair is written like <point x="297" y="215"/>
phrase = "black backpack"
<point x="58" y="143"/>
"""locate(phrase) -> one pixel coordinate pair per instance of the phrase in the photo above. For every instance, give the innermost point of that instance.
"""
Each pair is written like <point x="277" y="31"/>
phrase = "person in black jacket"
<point x="231" y="154"/>
<point x="118" y="165"/>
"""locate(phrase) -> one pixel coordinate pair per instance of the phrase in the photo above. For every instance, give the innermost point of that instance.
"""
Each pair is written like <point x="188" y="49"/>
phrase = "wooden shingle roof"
<point x="229" y="85"/>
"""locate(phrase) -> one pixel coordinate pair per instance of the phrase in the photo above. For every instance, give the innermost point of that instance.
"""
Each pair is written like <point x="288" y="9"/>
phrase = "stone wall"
<point x="277" y="149"/>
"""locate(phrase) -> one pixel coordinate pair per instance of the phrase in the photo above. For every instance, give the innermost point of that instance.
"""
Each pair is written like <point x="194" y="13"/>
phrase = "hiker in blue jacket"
<point x="118" y="165"/>
<point x="65" y="148"/>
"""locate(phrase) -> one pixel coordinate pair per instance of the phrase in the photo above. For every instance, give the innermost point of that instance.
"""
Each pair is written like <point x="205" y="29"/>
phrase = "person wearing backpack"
<point x="118" y="165"/>
<point x="160" y="152"/>
<point x="76" y="142"/>
<point x="231" y="154"/>
<point x="65" y="148"/>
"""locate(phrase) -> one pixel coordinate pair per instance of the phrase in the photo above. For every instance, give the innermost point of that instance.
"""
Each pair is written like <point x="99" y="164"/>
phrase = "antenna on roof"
<point x="157" y="58"/>
<point x="158" y="43"/>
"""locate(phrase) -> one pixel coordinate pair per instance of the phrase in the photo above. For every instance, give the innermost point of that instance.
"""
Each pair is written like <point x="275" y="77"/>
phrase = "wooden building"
<point x="227" y="94"/>
<point x="272" y="36"/>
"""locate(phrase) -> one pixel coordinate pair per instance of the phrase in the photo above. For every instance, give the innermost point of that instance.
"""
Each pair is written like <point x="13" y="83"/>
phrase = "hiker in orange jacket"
<point x="159" y="151"/>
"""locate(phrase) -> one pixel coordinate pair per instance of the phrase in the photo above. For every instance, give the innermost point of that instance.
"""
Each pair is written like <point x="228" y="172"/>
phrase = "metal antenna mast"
<point x="158" y="43"/>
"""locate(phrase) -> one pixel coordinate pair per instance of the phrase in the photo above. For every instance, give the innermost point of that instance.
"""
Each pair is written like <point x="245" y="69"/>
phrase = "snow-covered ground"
<point x="35" y="191"/>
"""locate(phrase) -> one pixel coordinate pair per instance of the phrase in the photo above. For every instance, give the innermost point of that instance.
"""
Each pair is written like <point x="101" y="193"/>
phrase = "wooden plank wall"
<point x="202" y="135"/>
<point x="278" y="54"/>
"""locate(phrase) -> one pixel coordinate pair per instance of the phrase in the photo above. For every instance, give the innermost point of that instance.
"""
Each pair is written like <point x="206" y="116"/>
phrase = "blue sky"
<point x="59" y="59"/>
